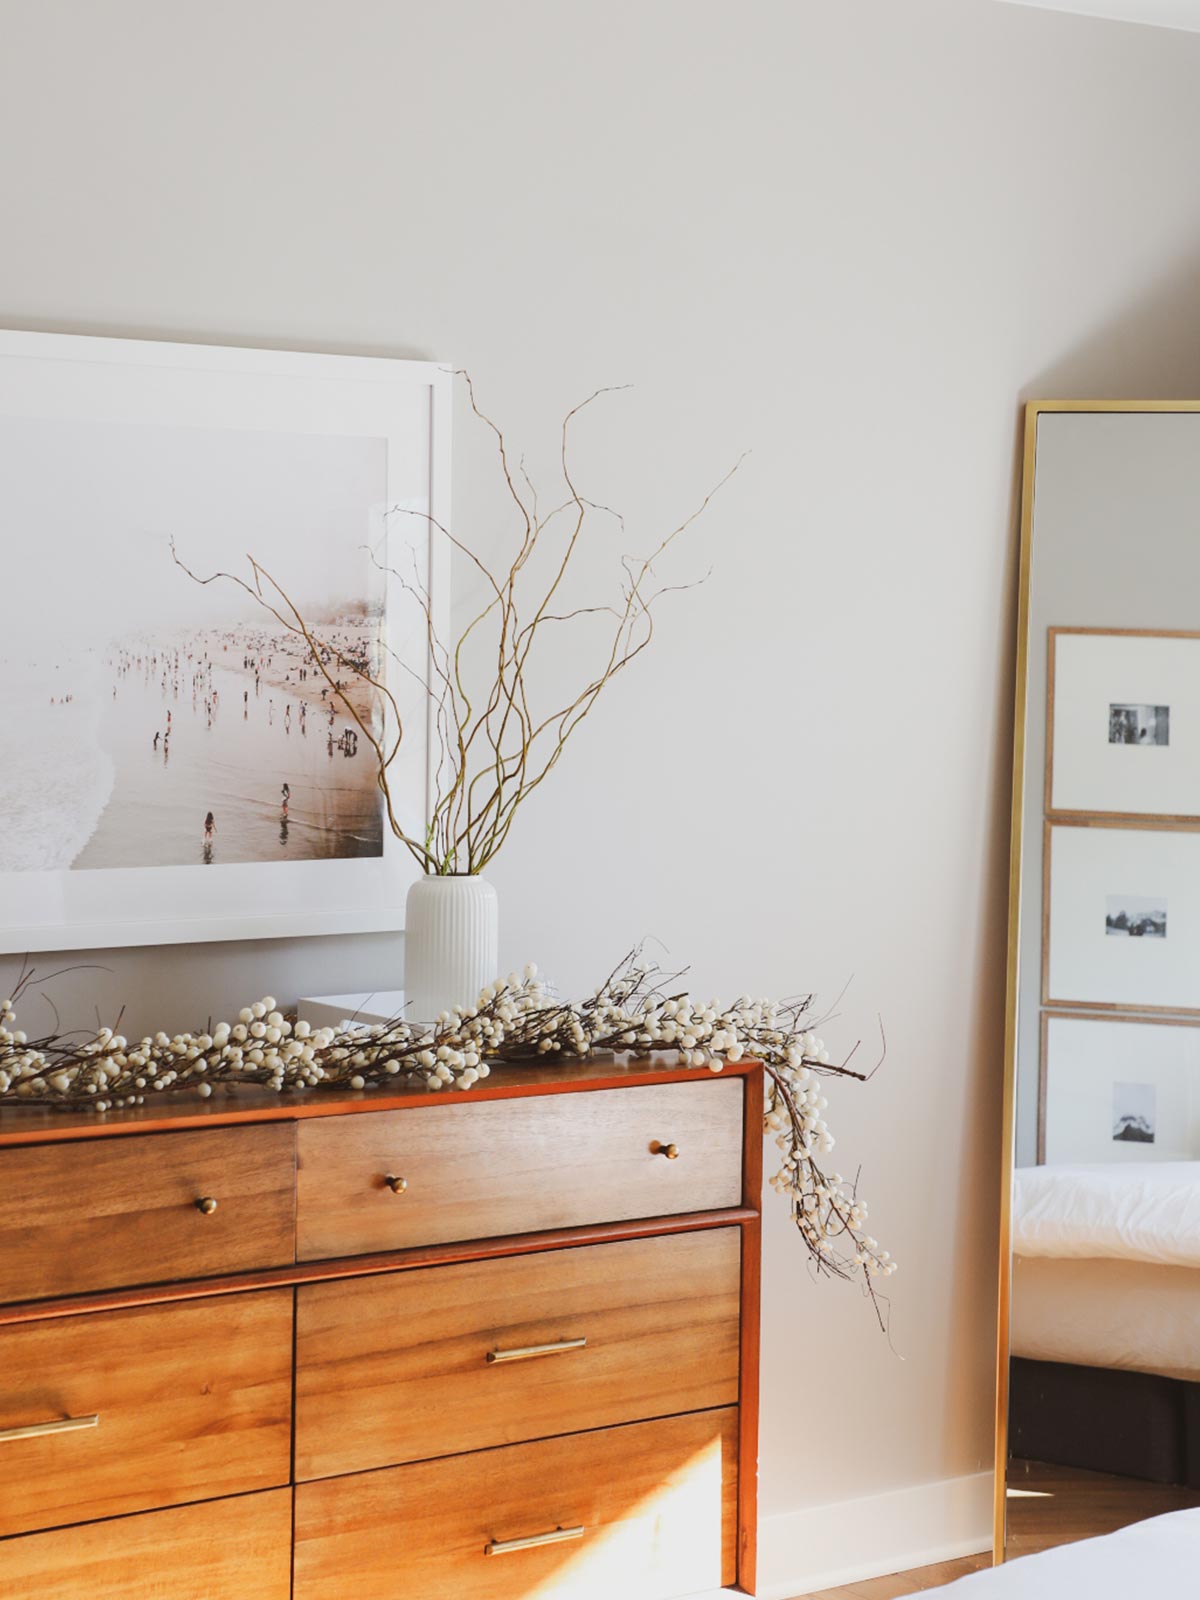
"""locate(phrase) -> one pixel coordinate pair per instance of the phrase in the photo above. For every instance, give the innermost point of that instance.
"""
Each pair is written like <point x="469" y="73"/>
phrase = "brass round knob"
<point x="396" y="1185"/>
<point x="671" y="1151"/>
<point x="206" y="1204"/>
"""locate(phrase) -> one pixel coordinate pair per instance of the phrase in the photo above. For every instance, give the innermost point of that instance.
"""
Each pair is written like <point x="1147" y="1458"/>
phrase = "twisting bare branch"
<point x="497" y="739"/>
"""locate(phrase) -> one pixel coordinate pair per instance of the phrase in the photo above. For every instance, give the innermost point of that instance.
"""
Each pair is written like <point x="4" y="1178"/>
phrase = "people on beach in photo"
<point x="210" y="828"/>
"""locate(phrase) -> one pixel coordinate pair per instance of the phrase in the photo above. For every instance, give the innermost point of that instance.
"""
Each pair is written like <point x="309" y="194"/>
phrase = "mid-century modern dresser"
<point x="481" y="1346"/>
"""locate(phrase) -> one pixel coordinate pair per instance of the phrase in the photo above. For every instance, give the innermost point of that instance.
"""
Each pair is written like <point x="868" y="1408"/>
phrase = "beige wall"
<point x="849" y="236"/>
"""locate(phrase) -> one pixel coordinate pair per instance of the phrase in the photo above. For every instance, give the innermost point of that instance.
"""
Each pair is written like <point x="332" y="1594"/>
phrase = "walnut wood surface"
<point x="124" y="1211"/>
<point x="657" y="1501"/>
<point x="514" y="1166"/>
<point x="751" y="1335"/>
<point x="26" y="1124"/>
<point x="374" y="1265"/>
<point x="396" y="1370"/>
<point x="194" y="1400"/>
<point x="224" y="1550"/>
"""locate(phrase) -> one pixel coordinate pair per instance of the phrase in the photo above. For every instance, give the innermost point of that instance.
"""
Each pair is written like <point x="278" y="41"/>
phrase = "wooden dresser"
<point x="501" y="1343"/>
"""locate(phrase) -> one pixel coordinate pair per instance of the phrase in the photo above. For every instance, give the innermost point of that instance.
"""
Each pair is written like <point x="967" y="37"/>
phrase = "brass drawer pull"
<point x="396" y="1185"/>
<point x="504" y="1547"/>
<point x="671" y="1151"/>
<point x="38" y="1430"/>
<point x="206" y="1204"/>
<point x="527" y="1352"/>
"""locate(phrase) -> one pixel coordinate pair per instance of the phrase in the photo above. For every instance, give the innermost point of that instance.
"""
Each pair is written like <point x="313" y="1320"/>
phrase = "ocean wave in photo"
<point x="55" y="780"/>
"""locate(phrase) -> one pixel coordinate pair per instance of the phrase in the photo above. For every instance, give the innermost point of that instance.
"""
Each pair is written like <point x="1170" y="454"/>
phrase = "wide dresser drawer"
<point x="123" y="1411"/>
<point x="225" y="1550"/>
<point x="641" y="1513"/>
<point x="444" y="1172"/>
<point x="144" y="1208"/>
<point x="453" y="1358"/>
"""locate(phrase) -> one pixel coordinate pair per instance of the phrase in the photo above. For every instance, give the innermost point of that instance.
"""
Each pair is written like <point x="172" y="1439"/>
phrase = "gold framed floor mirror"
<point x="1098" y="1349"/>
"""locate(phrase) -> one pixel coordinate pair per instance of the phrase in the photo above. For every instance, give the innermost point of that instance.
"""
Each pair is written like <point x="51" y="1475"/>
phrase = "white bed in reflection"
<point x="1106" y="1266"/>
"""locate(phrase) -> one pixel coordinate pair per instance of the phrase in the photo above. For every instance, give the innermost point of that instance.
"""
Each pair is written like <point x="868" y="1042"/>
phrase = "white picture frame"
<point x="1118" y="1090"/>
<point x="364" y="440"/>
<point x="1123" y="724"/>
<point x="1093" y="876"/>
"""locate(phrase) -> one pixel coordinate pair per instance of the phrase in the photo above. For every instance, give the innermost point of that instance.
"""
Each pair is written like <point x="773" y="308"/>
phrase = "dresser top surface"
<point x="47" y="1125"/>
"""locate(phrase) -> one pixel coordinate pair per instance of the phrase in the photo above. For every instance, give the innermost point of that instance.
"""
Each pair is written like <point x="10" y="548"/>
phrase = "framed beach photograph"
<point x="178" y="767"/>
<point x="1123" y="724"/>
<point x="1121" y="918"/>
<point x="1118" y="1089"/>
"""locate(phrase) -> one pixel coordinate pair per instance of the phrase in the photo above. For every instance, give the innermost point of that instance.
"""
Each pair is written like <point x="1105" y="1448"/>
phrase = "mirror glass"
<point x="1101" y="1329"/>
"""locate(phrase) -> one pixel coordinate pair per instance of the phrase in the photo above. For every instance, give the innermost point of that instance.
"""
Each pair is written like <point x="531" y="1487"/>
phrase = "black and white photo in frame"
<point x="1122" y="917"/>
<point x="1118" y="1089"/>
<point x="1123" y="724"/>
<point x="177" y="766"/>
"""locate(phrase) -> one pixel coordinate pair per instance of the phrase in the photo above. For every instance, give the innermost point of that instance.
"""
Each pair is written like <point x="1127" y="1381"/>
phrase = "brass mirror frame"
<point x="1033" y="412"/>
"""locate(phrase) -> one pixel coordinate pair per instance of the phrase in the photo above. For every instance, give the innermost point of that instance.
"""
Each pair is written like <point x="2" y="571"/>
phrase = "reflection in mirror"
<point x="1100" y="1327"/>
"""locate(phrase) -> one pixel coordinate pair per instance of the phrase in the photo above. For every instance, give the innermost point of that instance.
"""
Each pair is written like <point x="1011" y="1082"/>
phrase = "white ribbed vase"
<point x="451" y="944"/>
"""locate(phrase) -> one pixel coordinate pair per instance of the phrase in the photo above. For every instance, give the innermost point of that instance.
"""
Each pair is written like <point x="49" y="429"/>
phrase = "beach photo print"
<point x="176" y="759"/>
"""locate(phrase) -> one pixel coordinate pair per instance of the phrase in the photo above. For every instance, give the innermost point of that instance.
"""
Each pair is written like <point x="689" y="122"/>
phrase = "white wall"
<point x="850" y="236"/>
<point x="1158" y="13"/>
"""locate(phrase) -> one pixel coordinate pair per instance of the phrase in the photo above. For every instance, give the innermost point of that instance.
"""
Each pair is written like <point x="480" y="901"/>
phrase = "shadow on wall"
<point x="1149" y="349"/>
<point x="1146" y="350"/>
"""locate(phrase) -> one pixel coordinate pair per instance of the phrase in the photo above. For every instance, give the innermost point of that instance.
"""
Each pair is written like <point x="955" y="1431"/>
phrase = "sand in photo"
<point x="158" y="722"/>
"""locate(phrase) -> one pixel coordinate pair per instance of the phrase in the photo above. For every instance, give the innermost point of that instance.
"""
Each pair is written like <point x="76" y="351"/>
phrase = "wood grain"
<point x="125" y="1212"/>
<point x="516" y="1165"/>
<point x="26" y="1124"/>
<point x="224" y="1550"/>
<point x="657" y="1501"/>
<point x="373" y="1265"/>
<point x="750" y="1334"/>
<point x="1051" y="1505"/>
<point x="394" y="1370"/>
<point x="194" y="1401"/>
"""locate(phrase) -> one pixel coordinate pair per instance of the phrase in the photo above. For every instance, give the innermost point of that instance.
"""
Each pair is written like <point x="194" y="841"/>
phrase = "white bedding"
<point x="1154" y="1560"/>
<point x="1133" y="1316"/>
<point x="1148" y="1211"/>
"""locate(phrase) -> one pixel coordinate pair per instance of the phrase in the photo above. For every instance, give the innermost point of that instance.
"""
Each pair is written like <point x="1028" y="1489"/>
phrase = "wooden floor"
<point x="1047" y="1506"/>
<point x="1057" y="1505"/>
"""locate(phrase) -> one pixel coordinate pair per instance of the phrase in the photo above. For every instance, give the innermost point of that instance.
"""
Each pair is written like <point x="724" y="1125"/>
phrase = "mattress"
<point x="1136" y="1316"/>
<point x="1148" y="1212"/>
<point x="1158" y="1558"/>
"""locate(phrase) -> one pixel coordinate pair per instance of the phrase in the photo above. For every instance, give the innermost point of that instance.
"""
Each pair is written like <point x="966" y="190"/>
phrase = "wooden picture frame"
<point x="1080" y="829"/>
<point x="1154" y="1073"/>
<point x="1161" y="670"/>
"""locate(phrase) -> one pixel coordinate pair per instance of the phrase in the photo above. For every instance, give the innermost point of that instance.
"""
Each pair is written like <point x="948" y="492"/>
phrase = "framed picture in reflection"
<point x="1118" y="1090"/>
<point x="1123" y="724"/>
<point x="1121" y="918"/>
<point x="181" y="764"/>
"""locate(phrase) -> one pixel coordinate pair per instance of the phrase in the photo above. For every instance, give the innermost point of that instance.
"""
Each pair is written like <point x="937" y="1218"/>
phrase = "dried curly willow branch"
<point x="637" y="1009"/>
<point x="494" y="749"/>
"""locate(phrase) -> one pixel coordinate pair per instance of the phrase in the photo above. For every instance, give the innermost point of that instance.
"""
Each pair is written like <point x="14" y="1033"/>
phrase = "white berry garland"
<point x="515" y="1020"/>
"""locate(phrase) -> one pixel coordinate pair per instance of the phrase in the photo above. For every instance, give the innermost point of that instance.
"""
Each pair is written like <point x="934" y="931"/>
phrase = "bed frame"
<point x="1133" y="1424"/>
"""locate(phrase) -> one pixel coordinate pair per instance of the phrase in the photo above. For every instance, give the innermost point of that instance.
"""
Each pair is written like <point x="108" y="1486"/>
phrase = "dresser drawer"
<point x="485" y="1168"/>
<point x="111" y="1212"/>
<point x="437" y="1361"/>
<point x="649" y="1510"/>
<point x="170" y="1404"/>
<point x="225" y="1550"/>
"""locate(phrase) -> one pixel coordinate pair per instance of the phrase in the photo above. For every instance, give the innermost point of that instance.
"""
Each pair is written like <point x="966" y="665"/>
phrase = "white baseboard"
<point x="822" y="1547"/>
